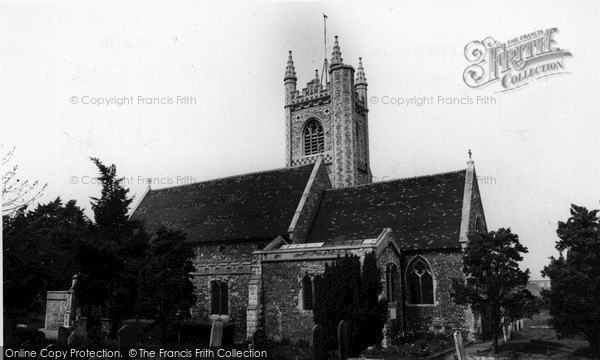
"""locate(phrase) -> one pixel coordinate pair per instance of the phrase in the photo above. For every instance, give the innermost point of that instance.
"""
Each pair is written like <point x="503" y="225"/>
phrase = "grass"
<point x="543" y="343"/>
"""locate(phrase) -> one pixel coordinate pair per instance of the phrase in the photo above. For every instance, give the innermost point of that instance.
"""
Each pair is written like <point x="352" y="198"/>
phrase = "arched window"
<point x="391" y="281"/>
<point x="317" y="288"/>
<point x="314" y="138"/>
<point x="307" y="293"/>
<point x="219" y="295"/>
<point x="420" y="282"/>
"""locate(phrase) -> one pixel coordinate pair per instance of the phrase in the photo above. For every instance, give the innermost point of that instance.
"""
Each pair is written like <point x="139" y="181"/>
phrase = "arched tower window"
<point x="314" y="138"/>
<point x="420" y="282"/>
<point x="307" y="292"/>
<point x="391" y="281"/>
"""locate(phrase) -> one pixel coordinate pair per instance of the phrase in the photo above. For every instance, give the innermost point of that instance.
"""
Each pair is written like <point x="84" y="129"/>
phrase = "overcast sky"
<point x="536" y="150"/>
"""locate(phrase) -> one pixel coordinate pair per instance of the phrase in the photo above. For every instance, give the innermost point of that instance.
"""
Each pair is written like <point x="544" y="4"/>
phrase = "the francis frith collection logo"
<point x="516" y="62"/>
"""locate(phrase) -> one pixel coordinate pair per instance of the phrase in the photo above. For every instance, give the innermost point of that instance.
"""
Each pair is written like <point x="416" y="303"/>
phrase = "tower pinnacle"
<point x="360" y="74"/>
<point x="290" y="71"/>
<point x="336" y="57"/>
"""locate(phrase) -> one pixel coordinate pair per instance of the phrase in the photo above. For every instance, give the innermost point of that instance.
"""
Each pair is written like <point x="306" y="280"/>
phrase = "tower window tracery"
<point x="314" y="138"/>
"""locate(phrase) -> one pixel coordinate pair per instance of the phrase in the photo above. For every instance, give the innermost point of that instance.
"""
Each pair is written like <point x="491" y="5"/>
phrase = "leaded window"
<point x="391" y="281"/>
<point x="314" y="138"/>
<point x="420" y="282"/>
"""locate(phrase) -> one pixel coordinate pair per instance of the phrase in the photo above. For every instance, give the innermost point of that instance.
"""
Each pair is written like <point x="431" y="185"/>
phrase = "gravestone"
<point x="51" y="347"/>
<point x="343" y="332"/>
<point x="259" y="339"/>
<point x="127" y="339"/>
<point x="63" y="336"/>
<point x="216" y="334"/>
<point x="319" y="342"/>
<point x="460" y="346"/>
<point x="77" y="338"/>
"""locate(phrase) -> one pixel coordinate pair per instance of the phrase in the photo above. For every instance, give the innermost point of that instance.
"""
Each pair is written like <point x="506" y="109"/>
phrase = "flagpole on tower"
<point x="324" y="73"/>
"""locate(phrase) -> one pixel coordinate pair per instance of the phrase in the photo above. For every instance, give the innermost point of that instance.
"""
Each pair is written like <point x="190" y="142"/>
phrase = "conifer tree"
<point x="574" y="295"/>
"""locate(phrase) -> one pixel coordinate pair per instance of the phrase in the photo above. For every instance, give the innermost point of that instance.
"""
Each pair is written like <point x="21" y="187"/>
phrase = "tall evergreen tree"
<point x="373" y="312"/>
<point x="165" y="282"/>
<point x="110" y="257"/>
<point x="350" y="293"/>
<point x="574" y="295"/>
<point x="494" y="284"/>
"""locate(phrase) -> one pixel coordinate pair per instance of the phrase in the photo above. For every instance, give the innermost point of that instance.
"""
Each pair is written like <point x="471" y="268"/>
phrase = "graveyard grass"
<point x="540" y="341"/>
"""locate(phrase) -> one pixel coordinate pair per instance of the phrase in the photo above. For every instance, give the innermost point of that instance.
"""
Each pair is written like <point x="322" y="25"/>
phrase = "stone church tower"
<point x="329" y="121"/>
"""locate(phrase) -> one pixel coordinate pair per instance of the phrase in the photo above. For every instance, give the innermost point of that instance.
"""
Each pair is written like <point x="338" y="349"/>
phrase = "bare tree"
<point x="17" y="193"/>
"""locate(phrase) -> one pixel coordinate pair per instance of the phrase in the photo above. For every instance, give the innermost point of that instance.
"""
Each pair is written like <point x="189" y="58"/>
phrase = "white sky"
<point x="540" y="143"/>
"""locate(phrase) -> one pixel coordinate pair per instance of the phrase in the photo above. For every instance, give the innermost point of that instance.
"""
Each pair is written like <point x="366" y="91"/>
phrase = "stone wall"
<point x="230" y="263"/>
<point x="476" y="207"/>
<point x="444" y="314"/>
<point x="282" y="272"/>
<point x="317" y="110"/>
<point x="284" y="316"/>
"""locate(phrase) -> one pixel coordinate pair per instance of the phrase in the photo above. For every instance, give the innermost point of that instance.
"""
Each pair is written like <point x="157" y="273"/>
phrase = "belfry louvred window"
<point x="314" y="138"/>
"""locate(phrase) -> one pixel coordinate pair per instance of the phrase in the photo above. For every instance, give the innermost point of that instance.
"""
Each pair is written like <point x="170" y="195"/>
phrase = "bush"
<point x="29" y="339"/>
<point x="421" y="343"/>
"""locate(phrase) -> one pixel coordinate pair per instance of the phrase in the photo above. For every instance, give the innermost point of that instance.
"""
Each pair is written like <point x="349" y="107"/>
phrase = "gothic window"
<point x="391" y="281"/>
<point x="219" y="293"/>
<point x="314" y="138"/>
<point x="420" y="282"/>
<point x="307" y="292"/>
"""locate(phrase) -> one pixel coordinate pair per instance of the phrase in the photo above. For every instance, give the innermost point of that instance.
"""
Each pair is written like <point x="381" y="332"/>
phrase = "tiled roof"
<point x="423" y="212"/>
<point x="251" y="206"/>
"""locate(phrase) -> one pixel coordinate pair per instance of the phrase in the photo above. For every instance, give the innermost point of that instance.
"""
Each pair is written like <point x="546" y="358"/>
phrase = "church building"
<point x="262" y="239"/>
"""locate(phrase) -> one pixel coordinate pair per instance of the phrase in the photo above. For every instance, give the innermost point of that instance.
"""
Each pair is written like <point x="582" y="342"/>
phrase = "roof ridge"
<point x="402" y="179"/>
<point x="233" y="176"/>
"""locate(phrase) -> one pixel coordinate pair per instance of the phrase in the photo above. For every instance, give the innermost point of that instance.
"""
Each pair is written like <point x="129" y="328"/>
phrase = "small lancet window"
<point x="307" y="292"/>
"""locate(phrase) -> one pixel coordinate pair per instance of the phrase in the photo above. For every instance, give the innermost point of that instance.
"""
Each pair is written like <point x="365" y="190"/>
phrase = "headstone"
<point x="51" y="347"/>
<point x="63" y="336"/>
<point x="319" y="342"/>
<point x="76" y="339"/>
<point x="509" y="330"/>
<point x="460" y="346"/>
<point x="127" y="338"/>
<point x="259" y="339"/>
<point x="343" y="332"/>
<point x="521" y="324"/>
<point x="216" y="334"/>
